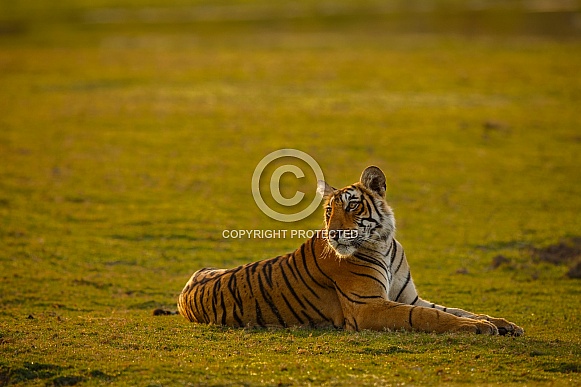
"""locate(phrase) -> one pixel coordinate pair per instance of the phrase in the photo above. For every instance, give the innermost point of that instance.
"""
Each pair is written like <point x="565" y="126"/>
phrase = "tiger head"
<point x="357" y="216"/>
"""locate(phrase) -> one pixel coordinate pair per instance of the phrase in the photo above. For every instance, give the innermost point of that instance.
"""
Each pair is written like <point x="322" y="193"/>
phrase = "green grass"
<point x="126" y="149"/>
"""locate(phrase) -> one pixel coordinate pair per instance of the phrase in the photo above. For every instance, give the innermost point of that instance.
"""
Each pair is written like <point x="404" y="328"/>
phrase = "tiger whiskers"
<point x="328" y="251"/>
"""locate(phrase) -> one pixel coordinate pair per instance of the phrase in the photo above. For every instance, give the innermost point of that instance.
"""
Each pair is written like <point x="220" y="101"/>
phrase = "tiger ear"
<point x="324" y="189"/>
<point x="374" y="179"/>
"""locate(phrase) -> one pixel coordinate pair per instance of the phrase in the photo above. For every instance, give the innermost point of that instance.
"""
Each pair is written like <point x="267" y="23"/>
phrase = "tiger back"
<point x="288" y="290"/>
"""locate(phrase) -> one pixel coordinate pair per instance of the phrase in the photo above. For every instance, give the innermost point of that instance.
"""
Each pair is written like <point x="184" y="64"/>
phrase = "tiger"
<point x="353" y="275"/>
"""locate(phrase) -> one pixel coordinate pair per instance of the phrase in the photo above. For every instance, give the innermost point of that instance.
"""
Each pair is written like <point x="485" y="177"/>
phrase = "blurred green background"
<point x="129" y="132"/>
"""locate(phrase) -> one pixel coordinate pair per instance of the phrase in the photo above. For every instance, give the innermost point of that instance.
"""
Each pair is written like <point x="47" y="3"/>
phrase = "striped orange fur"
<point x="353" y="280"/>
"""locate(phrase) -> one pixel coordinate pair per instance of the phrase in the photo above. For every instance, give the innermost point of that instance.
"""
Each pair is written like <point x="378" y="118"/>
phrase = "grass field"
<point x="129" y="135"/>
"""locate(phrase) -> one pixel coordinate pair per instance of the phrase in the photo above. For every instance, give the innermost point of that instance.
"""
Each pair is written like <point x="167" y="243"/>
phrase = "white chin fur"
<point x="344" y="250"/>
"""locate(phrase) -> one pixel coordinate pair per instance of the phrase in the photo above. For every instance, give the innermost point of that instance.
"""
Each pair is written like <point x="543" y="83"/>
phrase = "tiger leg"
<point x="381" y="315"/>
<point x="404" y="290"/>
<point x="504" y="327"/>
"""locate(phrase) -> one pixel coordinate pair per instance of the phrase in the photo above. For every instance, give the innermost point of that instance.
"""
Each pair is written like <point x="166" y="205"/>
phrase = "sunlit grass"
<point x="126" y="150"/>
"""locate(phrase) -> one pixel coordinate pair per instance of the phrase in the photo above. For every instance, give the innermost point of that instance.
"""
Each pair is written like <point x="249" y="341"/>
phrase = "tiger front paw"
<point x="477" y="326"/>
<point x="506" y="327"/>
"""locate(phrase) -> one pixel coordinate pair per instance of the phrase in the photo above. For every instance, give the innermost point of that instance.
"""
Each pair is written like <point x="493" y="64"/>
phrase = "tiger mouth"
<point x="343" y="249"/>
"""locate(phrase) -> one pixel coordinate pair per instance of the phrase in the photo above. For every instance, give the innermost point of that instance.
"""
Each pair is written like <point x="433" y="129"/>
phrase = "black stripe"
<point x="390" y="247"/>
<point x="384" y="255"/>
<point x="372" y="277"/>
<point x="267" y="271"/>
<point x="196" y="302"/>
<point x="215" y="292"/>
<point x="317" y="311"/>
<point x="182" y="305"/>
<point x="213" y="304"/>
<point x="399" y="265"/>
<point x="241" y="301"/>
<point x="235" y="292"/>
<point x="206" y="317"/>
<point x="407" y="281"/>
<point x="207" y="278"/>
<point x="372" y="261"/>
<point x="248" y="277"/>
<point x="304" y="258"/>
<point x="347" y="323"/>
<point x="223" y="308"/>
<point x="292" y="309"/>
<point x="189" y="313"/>
<point x="259" y="319"/>
<point x="410" y="316"/>
<point x="377" y="210"/>
<point x="355" y="325"/>
<point x="319" y="267"/>
<point x="393" y="254"/>
<point x="361" y="296"/>
<point x="347" y="297"/>
<point x="235" y="315"/>
<point x="415" y="300"/>
<point x="290" y="288"/>
<point x="303" y="280"/>
<point x="370" y="220"/>
<point x="369" y="267"/>
<point x="369" y="216"/>
<point x="287" y="261"/>
<point x="270" y="303"/>
<point x="309" y="318"/>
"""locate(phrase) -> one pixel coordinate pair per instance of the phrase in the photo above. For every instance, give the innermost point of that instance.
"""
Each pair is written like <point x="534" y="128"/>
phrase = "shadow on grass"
<point x="34" y="372"/>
